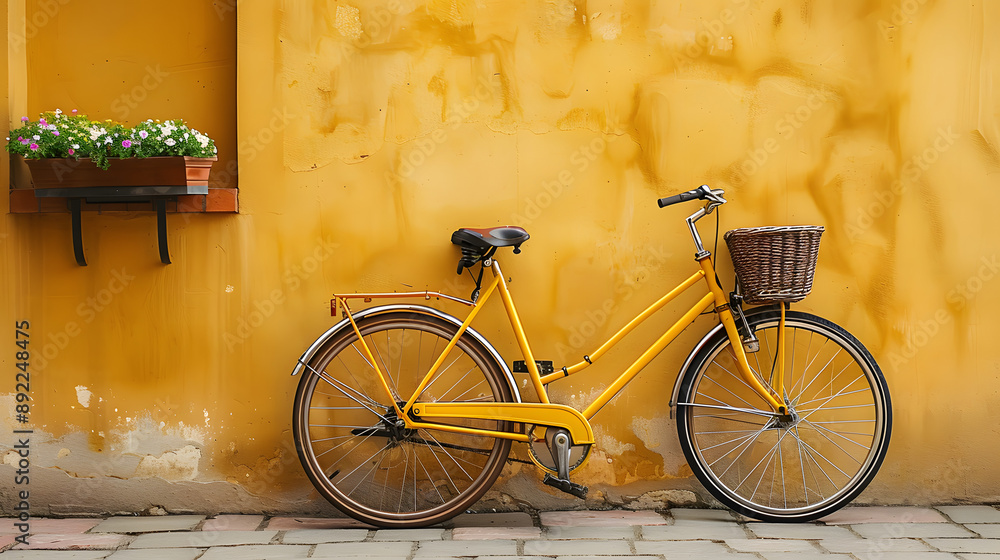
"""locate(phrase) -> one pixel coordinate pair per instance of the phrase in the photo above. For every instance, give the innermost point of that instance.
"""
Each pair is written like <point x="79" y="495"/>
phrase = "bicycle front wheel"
<point x="802" y="466"/>
<point x="360" y="456"/>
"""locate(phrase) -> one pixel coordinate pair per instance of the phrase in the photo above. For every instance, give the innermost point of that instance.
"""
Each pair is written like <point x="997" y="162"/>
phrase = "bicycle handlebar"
<point x="700" y="193"/>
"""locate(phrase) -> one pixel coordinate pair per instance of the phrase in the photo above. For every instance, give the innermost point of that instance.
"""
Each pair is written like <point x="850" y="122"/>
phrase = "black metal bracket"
<point x="117" y="195"/>
<point x="544" y="367"/>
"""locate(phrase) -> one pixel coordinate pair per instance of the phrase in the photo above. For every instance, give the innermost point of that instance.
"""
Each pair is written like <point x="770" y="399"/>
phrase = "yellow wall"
<point x="368" y="131"/>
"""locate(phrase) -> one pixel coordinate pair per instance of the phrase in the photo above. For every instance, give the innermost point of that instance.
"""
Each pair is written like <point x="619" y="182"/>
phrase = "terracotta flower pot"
<point x="57" y="173"/>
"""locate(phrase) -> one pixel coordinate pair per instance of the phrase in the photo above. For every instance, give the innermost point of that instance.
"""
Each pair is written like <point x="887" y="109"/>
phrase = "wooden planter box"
<point x="57" y="173"/>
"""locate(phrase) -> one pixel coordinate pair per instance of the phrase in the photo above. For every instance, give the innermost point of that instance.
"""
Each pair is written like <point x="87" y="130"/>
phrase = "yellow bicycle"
<point x="405" y="415"/>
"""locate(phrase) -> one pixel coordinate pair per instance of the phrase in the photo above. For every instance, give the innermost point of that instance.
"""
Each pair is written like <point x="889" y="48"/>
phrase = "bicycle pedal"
<point x="573" y="488"/>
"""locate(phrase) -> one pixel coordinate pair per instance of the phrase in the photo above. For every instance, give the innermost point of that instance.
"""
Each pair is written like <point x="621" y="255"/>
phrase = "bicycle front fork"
<point x="749" y="339"/>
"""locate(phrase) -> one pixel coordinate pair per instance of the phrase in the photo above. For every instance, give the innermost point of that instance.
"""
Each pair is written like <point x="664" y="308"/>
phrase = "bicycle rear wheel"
<point x="359" y="455"/>
<point x="801" y="467"/>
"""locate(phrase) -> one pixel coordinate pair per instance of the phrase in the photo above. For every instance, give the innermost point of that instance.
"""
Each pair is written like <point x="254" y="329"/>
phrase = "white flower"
<point x="58" y="111"/>
<point x="37" y="137"/>
<point x="76" y="146"/>
<point x="171" y="141"/>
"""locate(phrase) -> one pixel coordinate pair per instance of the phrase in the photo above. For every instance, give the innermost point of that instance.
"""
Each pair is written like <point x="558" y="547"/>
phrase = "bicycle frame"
<point x="545" y="413"/>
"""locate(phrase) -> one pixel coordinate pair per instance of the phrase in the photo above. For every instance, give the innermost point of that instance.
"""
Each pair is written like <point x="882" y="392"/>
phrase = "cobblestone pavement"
<point x="863" y="533"/>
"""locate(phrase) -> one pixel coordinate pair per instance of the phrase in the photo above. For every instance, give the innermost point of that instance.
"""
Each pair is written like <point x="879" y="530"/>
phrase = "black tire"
<point x="802" y="468"/>
<point x="350" y="444"/>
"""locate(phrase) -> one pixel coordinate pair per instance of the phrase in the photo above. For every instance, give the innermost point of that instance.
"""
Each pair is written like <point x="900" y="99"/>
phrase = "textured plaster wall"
<point x="368" y="131"/>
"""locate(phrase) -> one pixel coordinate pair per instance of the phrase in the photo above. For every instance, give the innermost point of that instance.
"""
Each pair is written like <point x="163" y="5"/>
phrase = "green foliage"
<point x="58" y="135"/>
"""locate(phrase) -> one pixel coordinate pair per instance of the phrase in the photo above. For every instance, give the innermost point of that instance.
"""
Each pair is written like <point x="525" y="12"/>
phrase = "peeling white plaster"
<point x="348" y="21"/>
<point x="11" y="458"/>
<point x="609" y="444"/>
<point x="172" y="465"/>
<point x="83" y="396"/>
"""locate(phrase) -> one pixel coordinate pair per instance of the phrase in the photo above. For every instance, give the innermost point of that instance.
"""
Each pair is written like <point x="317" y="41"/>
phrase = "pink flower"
<point x="143" y="134"/>
<point x="127" y="144"/>
<point x="55" y="133"/>
<point x="42" y="122"/>
<point x="72" y="151"/>
<point x="74" y="111"/>
<point x="33" y="146"/>
<point x="24" y="119"/>
<point x="24" y="141"/>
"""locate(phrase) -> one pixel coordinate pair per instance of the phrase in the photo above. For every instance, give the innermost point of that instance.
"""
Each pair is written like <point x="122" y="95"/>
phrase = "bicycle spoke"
<point x="383" y="472"/>
<point x="837" y="445"/>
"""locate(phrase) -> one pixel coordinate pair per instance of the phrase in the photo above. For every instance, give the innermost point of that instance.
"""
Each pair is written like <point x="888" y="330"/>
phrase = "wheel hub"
<point x="784" y="421"/>
<point x="395" y="428"/>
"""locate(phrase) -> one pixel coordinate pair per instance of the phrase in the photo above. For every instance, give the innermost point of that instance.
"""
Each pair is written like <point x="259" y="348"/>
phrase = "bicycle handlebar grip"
<point x="683" y="197"/>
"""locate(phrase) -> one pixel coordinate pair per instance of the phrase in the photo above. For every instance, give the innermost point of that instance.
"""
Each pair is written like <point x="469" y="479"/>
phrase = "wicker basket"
<point x="774" y="264"/>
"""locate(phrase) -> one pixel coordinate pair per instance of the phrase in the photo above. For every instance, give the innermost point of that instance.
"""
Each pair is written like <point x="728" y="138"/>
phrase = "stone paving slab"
<point x="202" y="539"/>
<point x="495" y="533"/>
<point x="596" y="533"/>
<point x="409" y="535"/>
<point x="55" y="541"/>
<point x="770" y="545"/>
<point x="270" y="552"/>
<point x="511" y="558"/>
<point x="805" y="531"/>
<point x="158" y="554"/>
<point x="596" y="557"/>
<point x="366" y="557"/>
<point x="55" y="554"/>
<point x="805" y="556"/>
<point x="157" y="524"/>
<point x="685" y="514"/>
<point x="290" y="523"/>
<point x="873" y="547"/>
<point x="917" y="556"/>
<point x="911" y="530"/>
<point x="43" y="525"/>
<point x="7" y="540"/>
<point x="971" y="514"/>
<point x="985" y="530"/>
<point x="574" y="548"/>
<point x="363" y="549"/>
<point x="506" y="519"/>
<point x="981" y="546"/>
<point x="703" y="549"/>
<point x="233" y="523"/>
<point x="700" y="531"/>
<point x="613" y="518"/>
<point x="317" y="536"/>
<point x="466" y="548"/>
<point x="891" y="514"/>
